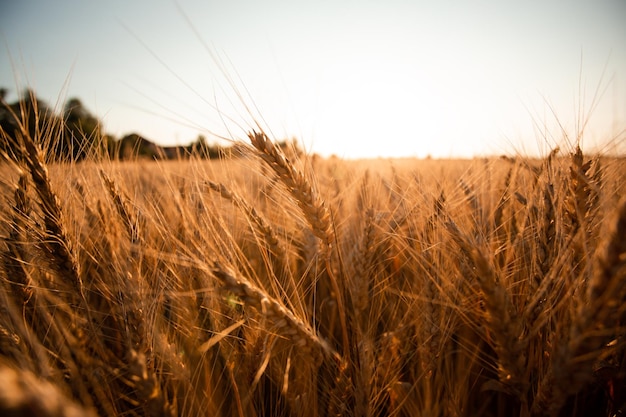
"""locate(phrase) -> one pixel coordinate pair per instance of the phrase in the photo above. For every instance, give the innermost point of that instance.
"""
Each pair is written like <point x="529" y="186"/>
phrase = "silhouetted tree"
<point x="134" y="145"/>
<point x="73" y="135"/>
<point x="29" y="115"/>
<point x="202" y="149"/>
<point x="83" y="132"/>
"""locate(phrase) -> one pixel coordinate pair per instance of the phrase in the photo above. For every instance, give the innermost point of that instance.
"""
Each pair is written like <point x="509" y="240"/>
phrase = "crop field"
<point x="272" y="283"/>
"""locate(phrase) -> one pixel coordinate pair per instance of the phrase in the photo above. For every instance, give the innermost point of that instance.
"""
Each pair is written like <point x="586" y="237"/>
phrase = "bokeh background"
<point x="353" y="79"/>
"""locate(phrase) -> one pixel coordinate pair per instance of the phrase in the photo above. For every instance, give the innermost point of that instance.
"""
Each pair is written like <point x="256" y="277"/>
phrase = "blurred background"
<point x="346" y="78"/>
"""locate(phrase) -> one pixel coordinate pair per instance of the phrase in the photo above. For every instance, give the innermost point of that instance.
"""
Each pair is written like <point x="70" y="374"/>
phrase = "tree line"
<point x="74" y="133"/>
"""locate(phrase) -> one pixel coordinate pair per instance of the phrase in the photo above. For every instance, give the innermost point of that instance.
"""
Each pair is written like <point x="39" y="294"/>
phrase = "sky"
<point x="348" y="78"/>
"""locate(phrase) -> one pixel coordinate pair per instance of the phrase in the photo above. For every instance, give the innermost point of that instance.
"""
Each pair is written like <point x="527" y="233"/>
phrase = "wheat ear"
<point x="314" y="210"/>
<point x="58" y="245"/>
<point x="594" y="328"/>
<point x="506" y="329"/>
<point x="363" y="259"/>
<point x="15" y="256"/>
<point x="282" y="319"/>
<point x="577" y="201"/>
<point x="123" y="208"/>
<point x="312" y="206"/>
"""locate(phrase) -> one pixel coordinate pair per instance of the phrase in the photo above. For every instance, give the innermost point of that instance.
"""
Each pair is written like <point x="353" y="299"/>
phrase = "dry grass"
<point x="288" y="286"/>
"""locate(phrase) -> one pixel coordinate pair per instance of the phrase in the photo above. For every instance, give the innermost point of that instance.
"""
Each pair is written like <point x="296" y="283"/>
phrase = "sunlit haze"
<point x="354" y="79"/>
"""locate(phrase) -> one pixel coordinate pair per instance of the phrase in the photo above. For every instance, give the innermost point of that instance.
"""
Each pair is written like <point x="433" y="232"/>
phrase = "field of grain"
<point x="284" y="285"/>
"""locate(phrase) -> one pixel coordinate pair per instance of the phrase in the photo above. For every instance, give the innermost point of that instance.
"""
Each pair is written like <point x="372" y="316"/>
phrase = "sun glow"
<point x="446" y="80"/>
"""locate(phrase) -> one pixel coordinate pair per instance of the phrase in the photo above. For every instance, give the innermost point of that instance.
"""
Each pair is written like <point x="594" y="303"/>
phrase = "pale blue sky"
<point x="352" y="78"/>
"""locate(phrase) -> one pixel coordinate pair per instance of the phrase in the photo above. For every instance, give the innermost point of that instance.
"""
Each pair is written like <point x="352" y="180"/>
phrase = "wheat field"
<point x="273" y="283"/>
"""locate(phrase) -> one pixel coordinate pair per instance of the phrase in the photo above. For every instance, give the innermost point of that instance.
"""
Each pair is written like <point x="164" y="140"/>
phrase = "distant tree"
<point x="202" y="149"/>
<point x="31" y="116"/>
<point x="6" y="119"/>
<point x="83" y="131"/>
<point x="109" y="145"/>
<point x="201" y="143"/>
<point x="38" y="116"/>
<point x="134" y="145"/>
<point x="72" y="135"/>
<point x="7" y="125"/>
